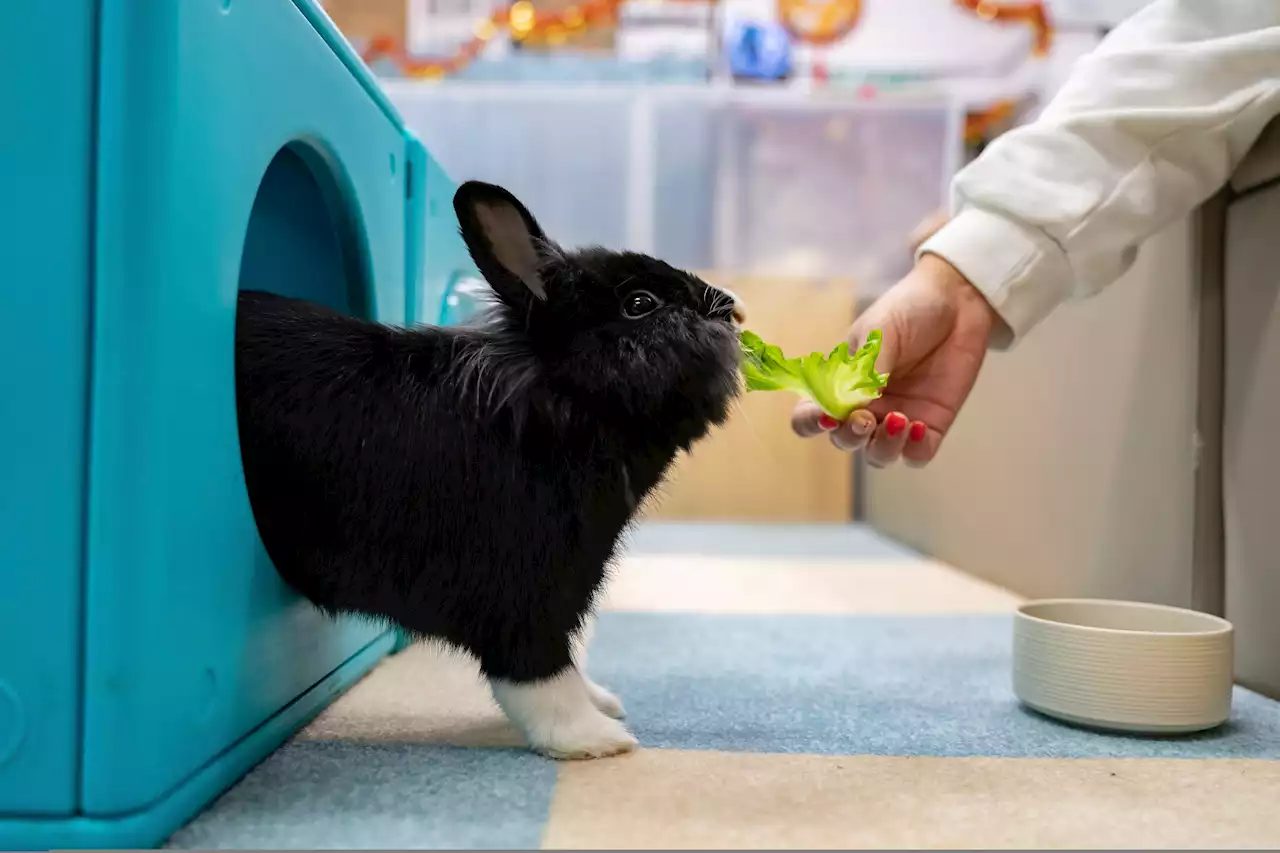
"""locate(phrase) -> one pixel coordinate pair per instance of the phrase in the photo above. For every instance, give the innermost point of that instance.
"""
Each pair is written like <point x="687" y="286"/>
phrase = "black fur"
<point x="471" y="484"/>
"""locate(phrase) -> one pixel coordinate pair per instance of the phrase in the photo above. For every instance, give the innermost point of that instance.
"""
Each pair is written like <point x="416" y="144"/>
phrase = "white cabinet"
<point x="1251" y="431"/>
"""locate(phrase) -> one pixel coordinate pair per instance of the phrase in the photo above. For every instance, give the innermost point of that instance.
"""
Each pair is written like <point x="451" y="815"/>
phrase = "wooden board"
<point x="755" y="469"/>
<point x="362" y="20"/>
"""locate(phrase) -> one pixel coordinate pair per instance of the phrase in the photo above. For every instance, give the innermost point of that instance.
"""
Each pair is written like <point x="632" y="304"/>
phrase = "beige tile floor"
<point x="663" y="799"/>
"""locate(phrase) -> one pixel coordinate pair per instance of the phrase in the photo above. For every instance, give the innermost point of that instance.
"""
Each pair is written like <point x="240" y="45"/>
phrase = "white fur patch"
<point x="604" y="699"/>
<point x="559" y="717"/>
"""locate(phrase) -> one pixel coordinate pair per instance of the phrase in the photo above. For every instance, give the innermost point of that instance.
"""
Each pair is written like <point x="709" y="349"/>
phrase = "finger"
<point x="887" y="443"/>
<point x="922" y="444"/>
<point x="852" y="435"/>
<point x="807" y="420"/>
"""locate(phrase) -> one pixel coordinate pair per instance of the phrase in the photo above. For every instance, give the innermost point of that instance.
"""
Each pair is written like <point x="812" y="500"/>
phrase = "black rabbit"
<point x="471" y="483"/>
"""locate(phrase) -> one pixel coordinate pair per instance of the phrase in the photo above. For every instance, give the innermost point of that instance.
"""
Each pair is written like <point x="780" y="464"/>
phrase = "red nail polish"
<point x="827" y="422"/>
<point x="918" y="430"/>
<point x="895" y="424"/>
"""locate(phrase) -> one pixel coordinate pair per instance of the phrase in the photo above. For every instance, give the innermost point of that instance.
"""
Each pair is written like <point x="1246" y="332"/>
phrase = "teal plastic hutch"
<point x="155" y="157"/>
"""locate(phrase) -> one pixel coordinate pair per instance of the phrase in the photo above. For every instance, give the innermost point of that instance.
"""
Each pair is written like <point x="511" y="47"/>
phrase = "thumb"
<point x="865" y="325"/>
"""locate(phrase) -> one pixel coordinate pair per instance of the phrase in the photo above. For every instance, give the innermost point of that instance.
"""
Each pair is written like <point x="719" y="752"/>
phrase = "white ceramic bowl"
<point x="1123" y="665"/>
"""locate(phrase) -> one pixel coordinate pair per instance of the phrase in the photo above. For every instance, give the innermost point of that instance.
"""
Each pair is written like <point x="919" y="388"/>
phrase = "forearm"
<point x="1145" y="129"/>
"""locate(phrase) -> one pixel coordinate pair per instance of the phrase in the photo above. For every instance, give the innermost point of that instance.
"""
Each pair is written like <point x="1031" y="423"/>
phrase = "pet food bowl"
<point x="1123" y="666"/>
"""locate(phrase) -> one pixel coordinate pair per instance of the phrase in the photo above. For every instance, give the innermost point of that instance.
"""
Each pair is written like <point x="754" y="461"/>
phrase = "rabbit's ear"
<point x="503" y="238"/>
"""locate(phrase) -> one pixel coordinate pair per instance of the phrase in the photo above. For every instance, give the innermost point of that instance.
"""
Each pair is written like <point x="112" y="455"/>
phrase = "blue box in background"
<point x="155" y="157"/>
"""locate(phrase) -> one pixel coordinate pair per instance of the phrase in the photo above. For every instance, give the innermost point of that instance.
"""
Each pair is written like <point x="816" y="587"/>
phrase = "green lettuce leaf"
<point x="839" y="383"/>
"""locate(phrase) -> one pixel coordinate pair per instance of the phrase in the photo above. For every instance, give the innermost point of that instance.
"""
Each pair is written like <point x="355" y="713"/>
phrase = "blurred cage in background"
<point x="735" y="182"/>
<point x="804" y="205"/>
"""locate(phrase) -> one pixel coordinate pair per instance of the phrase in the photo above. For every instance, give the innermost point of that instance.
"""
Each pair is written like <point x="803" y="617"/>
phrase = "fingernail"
<point x="918" y="429"/>
<point x="895" y="424"/>
<point x="827" y="422"/>
<point x="861" y="426"/>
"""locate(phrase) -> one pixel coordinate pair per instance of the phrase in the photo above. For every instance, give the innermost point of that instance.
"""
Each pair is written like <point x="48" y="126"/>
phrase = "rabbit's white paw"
<point x="588" y="737"/>
<point x="559" y="717"/>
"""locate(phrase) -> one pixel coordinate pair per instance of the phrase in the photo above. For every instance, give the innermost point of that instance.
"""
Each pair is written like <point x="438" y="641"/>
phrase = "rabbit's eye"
<point x="638" y="304"/>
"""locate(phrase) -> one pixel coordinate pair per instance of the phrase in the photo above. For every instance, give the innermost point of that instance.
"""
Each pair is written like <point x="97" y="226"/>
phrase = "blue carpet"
<point x="928" y="685"/>
<point x="837" y="685"/>
<point x="337" y="796"/>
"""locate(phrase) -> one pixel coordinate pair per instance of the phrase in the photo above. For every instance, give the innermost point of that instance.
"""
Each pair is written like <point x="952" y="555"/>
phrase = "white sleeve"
<point x="1147" y="127"/>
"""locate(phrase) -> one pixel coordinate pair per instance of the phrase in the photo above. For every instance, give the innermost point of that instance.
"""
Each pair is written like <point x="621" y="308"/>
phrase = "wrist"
<point x="943" y="273"/>
<point x="961" y="293"/>
<point x="1023" y="273"/>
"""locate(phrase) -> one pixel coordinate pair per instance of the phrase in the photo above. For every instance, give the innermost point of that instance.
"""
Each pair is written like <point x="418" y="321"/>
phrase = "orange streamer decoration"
<point x="817" y="22"/>
<point x="978" y="125"/>
<point x="1032" y="14"/>
<point x="526" y="25"/>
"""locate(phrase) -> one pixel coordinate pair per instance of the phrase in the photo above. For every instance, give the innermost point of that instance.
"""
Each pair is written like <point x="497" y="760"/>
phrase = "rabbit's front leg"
<point x="559" y="716"/>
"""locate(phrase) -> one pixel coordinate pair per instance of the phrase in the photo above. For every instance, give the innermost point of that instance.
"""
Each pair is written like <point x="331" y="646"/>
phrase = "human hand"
<point x="936" y="329"/>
